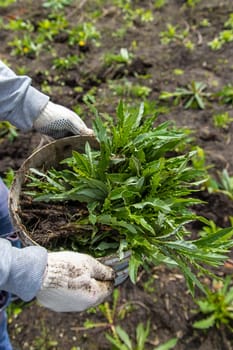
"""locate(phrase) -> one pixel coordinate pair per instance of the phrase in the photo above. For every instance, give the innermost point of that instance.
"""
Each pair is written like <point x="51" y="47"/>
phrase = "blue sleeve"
<point x="20" y="103"/>
<point x="21" y="270"/>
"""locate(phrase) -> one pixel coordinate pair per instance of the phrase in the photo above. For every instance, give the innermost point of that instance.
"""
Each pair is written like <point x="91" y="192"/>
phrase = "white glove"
<point x="58" y="121"/>
<point x="74" y="282"/>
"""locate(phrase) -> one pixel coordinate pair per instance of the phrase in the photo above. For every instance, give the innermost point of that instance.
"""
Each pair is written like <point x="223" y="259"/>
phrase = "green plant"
<point x="222" y="120"/>
<point x="224" y="185"/>
<point x="6" y="3"/>
<point x="123" y="57"/>
<point x="56" y="5"/>
<point x="224" y="36"/>
<point x="8" y="130"/>
<point x="159" y="3"/>
<point x="117" y="335"/>
<point x="49" y="27"/>
<point x="215" y="44"/>
<point x="229" y="22"/>
<point x="217" y="305"/>
<point x="9" y="177"/>
<point x="137" y="197"/>
<point x="127" y="88"/>
<point x="226" y="94"/>
<point x="192" y="3"/>
<point x="82" y="34"/>
<point x="25" y="46"/>
<point x="65" y="63"/>
<point x="192" y="96"/>
<point x="173" y="34"/>
<point x="14" y="309"/>
<point x="19" y="24"/>
<point x="44" y="340"/>
<point x="122" y="341"/>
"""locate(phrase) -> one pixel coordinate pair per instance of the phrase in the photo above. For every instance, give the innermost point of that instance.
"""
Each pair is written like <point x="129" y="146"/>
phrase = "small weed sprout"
<point x="159" y="3"/>
<point x="174" y="34"/>
<point x="7" y="130"/>
<point x="222" y="120"/>
<point x="9" y="177"/>
<point x="226" y="94"/>
<point x="6" y="3"/>
<point x="66" y="63"/>
<point x="56" y="5"/>
<point x="84" y="33"/>
<point x="192" y="96"/>
<point x="217" y="305"/>
<point x="124" y="57"/>
<point x="225" y="36"/>
<point x="224" y="185"/>
<point x="25" y="46"/>
<point x="116" y="335"/>
<point x="128" y="89"/>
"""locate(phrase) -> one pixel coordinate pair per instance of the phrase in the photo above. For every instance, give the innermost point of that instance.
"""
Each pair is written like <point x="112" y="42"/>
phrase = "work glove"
<point x="74" y="282"/>
<point x="58" y="121"/>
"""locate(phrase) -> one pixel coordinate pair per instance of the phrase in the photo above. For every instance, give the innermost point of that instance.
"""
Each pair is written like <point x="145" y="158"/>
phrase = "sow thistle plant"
<point x="137" y="192"/>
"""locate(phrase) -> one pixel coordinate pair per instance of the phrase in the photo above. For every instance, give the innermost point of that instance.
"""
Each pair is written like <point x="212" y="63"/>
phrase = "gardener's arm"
<point x="21" y="270"/>
<point x="61" y="281"/>
<point x="26" y="107"/>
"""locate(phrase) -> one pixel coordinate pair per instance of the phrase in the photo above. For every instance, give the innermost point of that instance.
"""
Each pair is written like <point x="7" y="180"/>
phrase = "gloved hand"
<point x="74" y="282"/>
<point x="58" y="121"/>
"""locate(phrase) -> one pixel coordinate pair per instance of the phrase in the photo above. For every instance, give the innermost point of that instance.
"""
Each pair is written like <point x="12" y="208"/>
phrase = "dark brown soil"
<point x="160" y="295"/>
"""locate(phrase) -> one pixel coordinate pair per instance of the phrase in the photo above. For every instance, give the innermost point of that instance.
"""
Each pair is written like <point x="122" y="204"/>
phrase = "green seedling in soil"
<point x="215" y="44"/>
<point x="222" y="120"/>
<point x="136" y="197"/>
<point x="56" y="5"/>
<point x="173" y="34"/>
<point x="217" y="306"/>
<point x="66" y="63"/>
<point x="199" y="160"/>
<point x="224" y="185"/>
<point x="7" y="130"/>
<point x="50" y="27"/>
<point x="144" y="15"/>
<point x="209" y="229"/>
<point x="225" y="36"/>
<point x="13" y="310"/>
<point x="128" y="89"/>
<point x="25" y="46"/>
<point x="112" y="313"/>
<point x="9" y="177"/>
<point x="124" y="57"/>
<point x="44" y="340"/>
<point x="205" y="23"/>
<point x="19" y="24"/>
<point x="192" y="3"/>
<point x="159" y="3"/>
<point x="116" y="335"/>
<point x="229" y="22"/>
<point x="122" y="341"/>
<point x="192" y="96"/>
<point x="226" y="94"/>
<point x="6" y="3"/>
<point x="130" y="13"/>
<point x="83" y="34"/>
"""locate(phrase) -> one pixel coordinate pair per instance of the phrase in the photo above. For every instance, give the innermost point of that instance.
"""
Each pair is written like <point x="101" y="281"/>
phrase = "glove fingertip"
<point x="103" y="272"/>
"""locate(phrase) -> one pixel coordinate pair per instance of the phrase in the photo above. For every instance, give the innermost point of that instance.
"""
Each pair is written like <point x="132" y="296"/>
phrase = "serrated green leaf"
<point x="205" y="323"/>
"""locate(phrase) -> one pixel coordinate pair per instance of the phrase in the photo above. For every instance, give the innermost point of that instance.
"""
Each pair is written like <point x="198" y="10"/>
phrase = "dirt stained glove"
<point x="74" y="282"/>
<point x="58" y="121"/>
